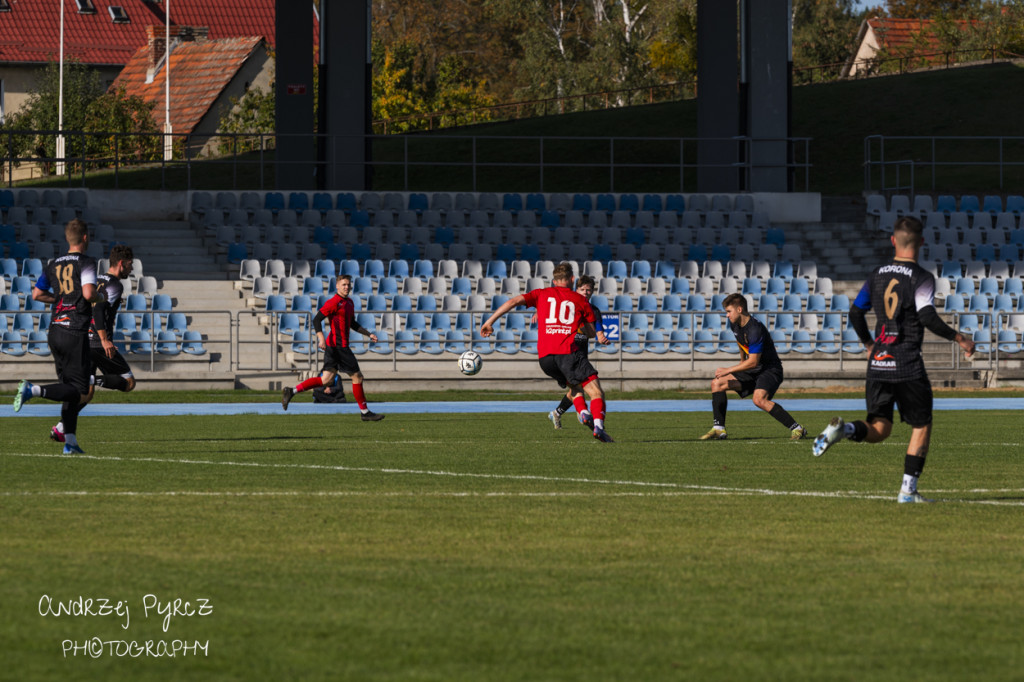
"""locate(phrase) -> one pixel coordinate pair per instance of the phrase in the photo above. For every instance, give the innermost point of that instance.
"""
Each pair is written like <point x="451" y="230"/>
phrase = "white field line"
<point x="668" y="489"/>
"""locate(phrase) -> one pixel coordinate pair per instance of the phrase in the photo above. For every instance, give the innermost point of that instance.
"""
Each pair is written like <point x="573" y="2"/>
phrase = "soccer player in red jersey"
<point x="560" y="313"/>
<point x="340" y="313"/>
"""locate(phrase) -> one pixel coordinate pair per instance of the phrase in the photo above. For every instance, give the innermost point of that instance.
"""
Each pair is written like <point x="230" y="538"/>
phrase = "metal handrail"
<point x="613" y="157"/>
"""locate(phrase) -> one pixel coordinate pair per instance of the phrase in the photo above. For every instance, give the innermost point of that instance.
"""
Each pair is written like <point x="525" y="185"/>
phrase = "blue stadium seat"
<point x="39" y="345"/>
<point x="535" y="202"/>
<point x="679" y="342"/>
<point x="192" y="343"/>
<point x="652" y="203"/>
<point x="781" y="340"/>
<point x="676" y="203"/>
<point x="323" y="202"/>
<point x="528" y="341"/>
<point x="727" y="342"/>
<point x="802" y="342"/>
<point x="298" y="201"/>
<point x="13" y="343"/>
<point x="946" y="203"/>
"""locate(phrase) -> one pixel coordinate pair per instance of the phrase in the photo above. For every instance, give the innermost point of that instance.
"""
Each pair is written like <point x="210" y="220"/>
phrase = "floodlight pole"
<point x="60" y="99"/>
<point x="168" y="140"/>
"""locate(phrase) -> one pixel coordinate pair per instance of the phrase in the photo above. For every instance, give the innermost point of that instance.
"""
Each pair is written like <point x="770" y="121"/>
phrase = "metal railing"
<point x="403" y="163"/>
<point x="924" y="163"/>
<point x="279" y="351"/>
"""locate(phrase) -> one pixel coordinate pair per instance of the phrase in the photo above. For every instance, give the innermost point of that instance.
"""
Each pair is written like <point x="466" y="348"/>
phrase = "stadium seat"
<point x="679" y="342"/>
<point x="192" y="343"/>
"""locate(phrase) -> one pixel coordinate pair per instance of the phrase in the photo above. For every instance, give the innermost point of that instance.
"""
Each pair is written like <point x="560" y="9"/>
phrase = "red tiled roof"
<point x="906" y="35"/>
<point x="199" y="73"/>
<point x="30" y="32"/>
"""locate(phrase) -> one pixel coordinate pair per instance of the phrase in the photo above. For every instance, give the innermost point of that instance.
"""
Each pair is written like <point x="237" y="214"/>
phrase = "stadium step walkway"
<point x="170" y="249"/>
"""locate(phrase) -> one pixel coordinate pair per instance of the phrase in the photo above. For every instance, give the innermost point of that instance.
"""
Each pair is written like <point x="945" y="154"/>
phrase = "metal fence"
<point x="397" y="162"/>
<point x="912" y="164"/>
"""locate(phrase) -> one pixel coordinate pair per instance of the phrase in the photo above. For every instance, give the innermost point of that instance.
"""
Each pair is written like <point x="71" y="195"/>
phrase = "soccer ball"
<point x="470" y="362"/>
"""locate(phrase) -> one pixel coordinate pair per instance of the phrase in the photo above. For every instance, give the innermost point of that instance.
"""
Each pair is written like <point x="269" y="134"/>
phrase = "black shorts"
<point x="768" y="380"/>
<point x="568" y="370"/>
<point x="70" y="352"/>
<point x="340" y="359"/>
<point x="913" y="397"/>
<point x="115" y="365"/>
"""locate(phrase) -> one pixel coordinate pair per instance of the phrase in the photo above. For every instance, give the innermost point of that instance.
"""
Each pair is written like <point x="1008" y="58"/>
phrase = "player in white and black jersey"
<point x="902" y="294"/>
<point x="109" y="367"/>
<point x="72" y="277"/>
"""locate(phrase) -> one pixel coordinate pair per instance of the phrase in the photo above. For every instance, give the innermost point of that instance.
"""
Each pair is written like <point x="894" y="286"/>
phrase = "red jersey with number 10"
<point x="340" y="314"/>
<point x="560" y="312"/>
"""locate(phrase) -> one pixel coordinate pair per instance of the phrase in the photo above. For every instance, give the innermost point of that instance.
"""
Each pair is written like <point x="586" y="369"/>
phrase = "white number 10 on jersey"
<point x="566" y="312"/>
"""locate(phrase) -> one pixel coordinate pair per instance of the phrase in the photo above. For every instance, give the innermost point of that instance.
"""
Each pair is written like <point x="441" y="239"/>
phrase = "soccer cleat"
<point x="371" y="417"/>
<point x="832" y="434"/>
<point x="909" y="498"/>
<point x="602" y="435"/>
<point x="797" y="433"/>
<point x="56" y="435"/>
<point x="586" y="419"/>
<point x="556" y="419"/>
<point x="286" y="396"/>
<point x="73" y="450"/>
<point x="714" y="434"/>
<point x="23" y="395"/>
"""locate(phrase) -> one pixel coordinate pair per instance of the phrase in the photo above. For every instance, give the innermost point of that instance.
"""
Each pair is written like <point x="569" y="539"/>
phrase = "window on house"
<point x="118" y="15"/>
<point x="5" y="6"/>
<point x="85" y="7"/>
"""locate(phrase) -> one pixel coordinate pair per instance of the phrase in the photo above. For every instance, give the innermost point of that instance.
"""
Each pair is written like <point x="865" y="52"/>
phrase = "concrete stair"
<point x="170" y="249"/>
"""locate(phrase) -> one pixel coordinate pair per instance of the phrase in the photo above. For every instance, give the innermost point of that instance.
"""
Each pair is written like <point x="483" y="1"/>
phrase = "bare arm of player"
<point x="91" y="293"/>
<point x="43" y="296"/>
<point x="750" y="362"/>
<point x="365" y="332"/>
<point x="966" y="343"/>
<point x="487" y="328"/>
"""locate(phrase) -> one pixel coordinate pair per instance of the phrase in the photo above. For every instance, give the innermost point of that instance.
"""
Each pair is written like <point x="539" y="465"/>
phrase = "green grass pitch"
<point x="491" y="547"/>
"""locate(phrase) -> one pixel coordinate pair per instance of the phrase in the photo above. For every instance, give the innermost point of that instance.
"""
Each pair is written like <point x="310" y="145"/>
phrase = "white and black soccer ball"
<point x="470" y="362"/>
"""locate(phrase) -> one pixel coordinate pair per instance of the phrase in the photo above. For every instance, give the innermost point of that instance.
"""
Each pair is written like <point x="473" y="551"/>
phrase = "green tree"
<point x="824" y="33"/>
<point x="248" y="121"/>
<point x="41" y="111"/>
<point x="115" y="113"/>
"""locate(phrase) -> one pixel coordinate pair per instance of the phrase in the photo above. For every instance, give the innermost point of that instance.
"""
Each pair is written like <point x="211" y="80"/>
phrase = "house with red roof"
<point x="204" y="77"/>
<point x="106" y="34"/>
<point x="896" y="37"/>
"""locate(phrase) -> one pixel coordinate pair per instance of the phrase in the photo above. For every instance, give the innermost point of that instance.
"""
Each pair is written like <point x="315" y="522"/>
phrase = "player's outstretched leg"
<point x="832" y="434"/>
<point x="23" y="395"/>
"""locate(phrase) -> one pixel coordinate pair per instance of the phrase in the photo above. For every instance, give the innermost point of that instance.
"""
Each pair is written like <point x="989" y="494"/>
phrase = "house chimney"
<point x="155" y="48"/>
<point x="197" y="34"/>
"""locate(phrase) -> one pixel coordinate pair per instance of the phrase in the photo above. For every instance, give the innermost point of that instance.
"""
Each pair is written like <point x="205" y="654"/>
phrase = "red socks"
<point x="357" y="393"/>
<point x="597" y="408"/>
<point x="312" y="382"/>
<point x="581" y="404"/>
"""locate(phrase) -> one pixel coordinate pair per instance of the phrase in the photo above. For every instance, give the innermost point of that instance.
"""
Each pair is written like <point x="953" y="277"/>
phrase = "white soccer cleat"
<point x="832" y="434"/>
<point x="911" y="498"/>
<point x="556" y="419"/>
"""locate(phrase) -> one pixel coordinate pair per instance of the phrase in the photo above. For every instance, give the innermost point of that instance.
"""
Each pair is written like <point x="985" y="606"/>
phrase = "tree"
<point x="928" y="9"/>
<point x="824" y="32"/>
<point x="251" y="115"/>
<point x="88" y="109"/>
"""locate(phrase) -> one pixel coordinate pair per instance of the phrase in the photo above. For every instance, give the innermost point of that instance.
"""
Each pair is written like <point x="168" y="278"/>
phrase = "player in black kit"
<point x="902" y="294"/>
<point x="109" y="367"/>
<point x="759" y="372"/>
<point x="73" y="280"/>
